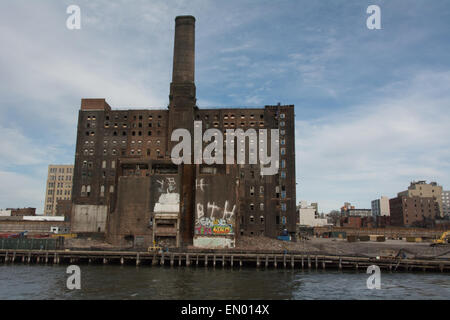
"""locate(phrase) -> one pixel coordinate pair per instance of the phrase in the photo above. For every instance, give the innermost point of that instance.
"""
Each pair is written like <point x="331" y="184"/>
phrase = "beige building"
<point x="446" y="203"/>
<point x="308" y="215"/>
<point x="59" y="187"/>
<point x="426" y="190"/>
<point x="380" y="207"/>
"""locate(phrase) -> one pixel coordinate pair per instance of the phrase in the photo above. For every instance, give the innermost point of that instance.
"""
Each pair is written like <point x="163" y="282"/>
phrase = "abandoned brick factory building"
<point x="127" y="186"/>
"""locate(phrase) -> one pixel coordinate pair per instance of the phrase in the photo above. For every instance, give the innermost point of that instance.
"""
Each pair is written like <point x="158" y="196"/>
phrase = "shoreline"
<point x="190" y="258"/>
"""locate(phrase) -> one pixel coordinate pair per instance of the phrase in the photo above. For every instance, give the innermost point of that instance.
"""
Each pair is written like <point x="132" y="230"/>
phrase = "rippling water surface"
<point x="130" y="282"/>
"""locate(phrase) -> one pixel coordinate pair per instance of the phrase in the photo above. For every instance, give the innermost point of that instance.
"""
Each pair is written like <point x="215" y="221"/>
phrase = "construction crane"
<point x="442" y="239"/>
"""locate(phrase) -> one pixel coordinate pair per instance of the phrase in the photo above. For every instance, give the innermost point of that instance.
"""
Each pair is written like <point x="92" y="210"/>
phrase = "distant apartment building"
<point x="59" y="187"/>
<point x="412" y="211"/>
<point x="347" y="206"/>
<point x="349" y="210"/>
<point x="309" y="215"/>
<point x="426" y="190"/>
<point x="446" y="203"/>
<point x="380" y="207"/>
<point x="19" y="212"/>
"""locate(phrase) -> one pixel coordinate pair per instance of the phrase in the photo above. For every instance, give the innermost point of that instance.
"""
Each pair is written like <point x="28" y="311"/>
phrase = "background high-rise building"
<point x="380" y="207"/>
<point x="426" y="190"/>
<point x="59" y="187"/>
<point x="412" y="211"/>
<point x="446" y="203"/>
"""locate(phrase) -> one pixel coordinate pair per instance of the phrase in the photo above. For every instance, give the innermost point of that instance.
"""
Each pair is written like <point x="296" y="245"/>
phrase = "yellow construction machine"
<point x="442" y="240"/>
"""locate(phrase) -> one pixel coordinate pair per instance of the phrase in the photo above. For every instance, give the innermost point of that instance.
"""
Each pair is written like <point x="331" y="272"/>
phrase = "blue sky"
<point x="372" y="106"/>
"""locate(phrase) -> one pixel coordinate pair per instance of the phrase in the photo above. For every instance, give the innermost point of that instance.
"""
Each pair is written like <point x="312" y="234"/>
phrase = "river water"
<point x="145" y="282"/>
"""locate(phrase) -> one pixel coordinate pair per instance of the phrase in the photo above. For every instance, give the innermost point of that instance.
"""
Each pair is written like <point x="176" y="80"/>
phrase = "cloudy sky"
<point x="372" y="106"/>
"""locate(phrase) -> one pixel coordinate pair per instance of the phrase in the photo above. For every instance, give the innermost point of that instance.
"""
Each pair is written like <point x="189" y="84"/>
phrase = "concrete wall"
<point x="308" y="218"/>
<point x="213" y="242"/>
<point x="88" y="218"/>
<point x="215" y="210"/>
<point x="5" y="213"/>
<point x="129" y="224"/>
<point x="30" y="226"/>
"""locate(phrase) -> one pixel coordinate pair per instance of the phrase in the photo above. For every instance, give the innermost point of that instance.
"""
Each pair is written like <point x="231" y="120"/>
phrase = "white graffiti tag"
<point x="200" y="184"/>
<point x="200" y="211"/>
<point x="228" y="214"/>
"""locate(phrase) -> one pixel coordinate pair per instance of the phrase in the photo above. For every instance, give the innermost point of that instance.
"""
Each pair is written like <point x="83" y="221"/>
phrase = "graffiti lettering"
<point x="200" y="212"/>
<point x="228" y="214"/>
<point x="213" y="207"/>
<point x="222" y="229"/>
<point x="200" y="184"/>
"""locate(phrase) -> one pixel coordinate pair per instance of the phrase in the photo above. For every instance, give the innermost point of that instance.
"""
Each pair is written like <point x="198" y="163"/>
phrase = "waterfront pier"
<point x="249" y="259"/>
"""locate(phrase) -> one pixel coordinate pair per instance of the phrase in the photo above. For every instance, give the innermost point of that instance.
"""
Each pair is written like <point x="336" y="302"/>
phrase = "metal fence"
<point x="32" y="244"/>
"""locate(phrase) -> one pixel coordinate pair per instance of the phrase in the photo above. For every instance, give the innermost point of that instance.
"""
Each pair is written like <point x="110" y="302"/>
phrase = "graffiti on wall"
<point x="213" y="217"/>
<point x="168" y="197"/>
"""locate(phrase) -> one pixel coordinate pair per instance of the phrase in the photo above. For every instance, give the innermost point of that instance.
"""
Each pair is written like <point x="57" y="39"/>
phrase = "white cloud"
<point x="20" y="150"/>
<point x="377" y="148"/>
<point x="19" y="190"/>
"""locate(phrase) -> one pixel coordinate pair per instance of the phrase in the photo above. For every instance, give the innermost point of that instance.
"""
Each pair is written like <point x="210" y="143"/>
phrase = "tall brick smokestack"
<point x="182" y="88"/>
<point x="184" y="50"/>
<point x="182" y="108"/>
